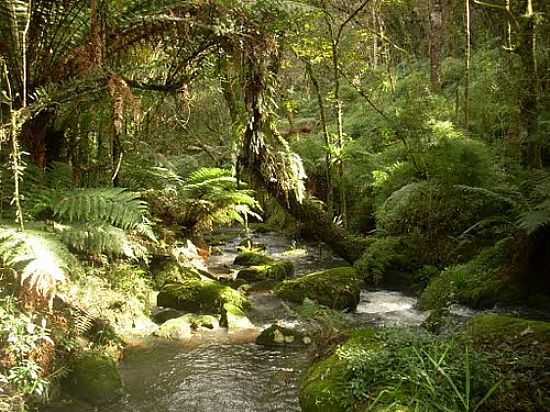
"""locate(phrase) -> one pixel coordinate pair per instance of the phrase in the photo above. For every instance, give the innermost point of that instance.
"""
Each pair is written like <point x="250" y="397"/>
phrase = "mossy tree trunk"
<point x="259" y="146"/>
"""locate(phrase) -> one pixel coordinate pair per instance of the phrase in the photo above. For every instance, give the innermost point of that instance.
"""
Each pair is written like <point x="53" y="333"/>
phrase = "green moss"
<point x="277" y="335"/>
<point x="394" y="367"/>
<point x="201" y="321"/>
<point x="94" y="378"/>
<point x="272" y="271"/>
<point x="252" y="259"/>
<point x="477" y="283"/>
<point x="169" y="271"/>
<point x="233" y="318"/>
<point x="199" y="296"/>
<point x="337" y="288"/>
<point x="493" y="329"/>
<point x="384" y="255"/>
<point x="519" y="349"/>
<point x="320" y="390"/>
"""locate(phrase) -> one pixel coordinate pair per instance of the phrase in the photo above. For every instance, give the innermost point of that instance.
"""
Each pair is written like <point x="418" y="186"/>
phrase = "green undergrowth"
<point x="398" y="370"/>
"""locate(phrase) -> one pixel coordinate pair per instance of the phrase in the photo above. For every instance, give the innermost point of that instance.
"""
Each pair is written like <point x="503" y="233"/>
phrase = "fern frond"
<point x="100" y="239"/>
<point x="116" y="206"/>
<point x="39" y="259"/>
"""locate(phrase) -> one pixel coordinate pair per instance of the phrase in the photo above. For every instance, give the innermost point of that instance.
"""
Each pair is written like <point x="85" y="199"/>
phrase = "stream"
<point x="217" y="371"/>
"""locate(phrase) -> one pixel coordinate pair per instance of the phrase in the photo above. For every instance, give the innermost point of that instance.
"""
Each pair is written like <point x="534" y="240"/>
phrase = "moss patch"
<point x="94" y="378"/>
<point x="520" y="351"/>
<point x="337" y="288"/>
<point x="233" y="317"/>
<point x="491" y="329"/>
<point x="169" y="271"/>
<point x="320" y="390"/>
<point x="252" y="259"/>
<point x="273" y="271"/>
<point x="478" y="283"/>
<point x="200" y="296"/>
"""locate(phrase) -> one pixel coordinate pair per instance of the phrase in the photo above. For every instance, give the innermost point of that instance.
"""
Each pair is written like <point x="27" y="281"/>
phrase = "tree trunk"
<point x="467" y="63"/>
<point x="255" y="157"/>
<point x="323" y="118"/>
<point x="435" y="44"/>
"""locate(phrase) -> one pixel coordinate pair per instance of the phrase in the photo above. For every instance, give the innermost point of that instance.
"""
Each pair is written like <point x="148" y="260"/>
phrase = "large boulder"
<point x="278" y="270"/>
<point x="277" y="335"/>
<point x="204" y="296"/>
<point x="94" y="378"/>
<point x="252" y="259"/>
<point x="337" y="288"/>
<point x="167" y="270"/>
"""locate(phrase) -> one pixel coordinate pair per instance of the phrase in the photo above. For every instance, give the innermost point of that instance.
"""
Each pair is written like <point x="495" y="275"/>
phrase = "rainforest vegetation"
<point x="409" y="140"/>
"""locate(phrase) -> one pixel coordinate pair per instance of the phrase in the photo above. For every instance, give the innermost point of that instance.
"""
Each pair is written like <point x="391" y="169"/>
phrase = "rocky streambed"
<point x="213" y="368"/>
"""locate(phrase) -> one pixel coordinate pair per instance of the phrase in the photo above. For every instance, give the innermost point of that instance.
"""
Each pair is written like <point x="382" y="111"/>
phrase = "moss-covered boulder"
<point x="519" y="349"/>
<point x="479" y="283"/>
<point x="252" y="259"/>
<point x="493" y="330"/>
<point x="337" y="288"/>
<point x="233" y="317"/>
<point x="272" y="271"/>
<point x="320" y="388"/>
<point x="277" y="335"/>
<point x="178" y="328"/>
<point x="94" y="378"/>
<point x="205" y="296"/>
<point x="168" y="270"/>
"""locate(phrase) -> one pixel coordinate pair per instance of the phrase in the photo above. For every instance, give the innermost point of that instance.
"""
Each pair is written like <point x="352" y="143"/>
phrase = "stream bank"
<point x="221" y="368"/>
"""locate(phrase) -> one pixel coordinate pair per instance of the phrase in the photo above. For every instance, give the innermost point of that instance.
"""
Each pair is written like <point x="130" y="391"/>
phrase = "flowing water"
<point x="221" y="372"/>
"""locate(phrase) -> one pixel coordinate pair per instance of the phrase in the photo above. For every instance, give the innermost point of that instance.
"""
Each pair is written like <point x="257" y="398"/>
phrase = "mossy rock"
<point x="252" y="259"/>
<point x="165" y="315"/>
<point x="169" y="271"/>
<point x="202" y="321"/>
<point x="176" y="329"/>
<point x="204" y="296"/>
<point x="492" y="329"/>
<point x="337" y="288"/>
<point x="321" y="388"/>
<point x="94" y="378"/>
<point x="478" y="283"/>
<point x="233" y="317"/>
<point x="520" y="350"/>
<point x="277" y="335"/>
<point x="273" y="271"/>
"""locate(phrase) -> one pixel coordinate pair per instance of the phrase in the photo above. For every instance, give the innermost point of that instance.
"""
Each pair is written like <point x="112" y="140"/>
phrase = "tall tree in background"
<point x="436" y="41"/>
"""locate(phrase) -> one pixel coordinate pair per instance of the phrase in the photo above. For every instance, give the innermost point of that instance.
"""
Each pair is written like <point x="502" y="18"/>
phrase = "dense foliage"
<point x="410" y="136"/>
